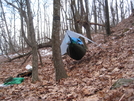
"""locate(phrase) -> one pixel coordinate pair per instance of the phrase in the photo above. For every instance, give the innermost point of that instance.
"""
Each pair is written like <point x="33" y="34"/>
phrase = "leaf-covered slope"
<point x="89" y="79"/>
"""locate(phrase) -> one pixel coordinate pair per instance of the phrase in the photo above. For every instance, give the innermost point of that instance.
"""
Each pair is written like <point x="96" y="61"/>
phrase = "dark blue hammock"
<point x="76" y="49"/>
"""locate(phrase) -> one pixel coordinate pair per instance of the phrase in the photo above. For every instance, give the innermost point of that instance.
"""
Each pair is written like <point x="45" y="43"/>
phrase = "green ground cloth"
<point x="11" y="80"/>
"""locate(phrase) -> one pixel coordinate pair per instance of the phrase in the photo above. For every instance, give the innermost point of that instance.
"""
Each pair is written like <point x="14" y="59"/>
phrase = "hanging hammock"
<point x="73" y="46"/>
<point x="76" y="49"/>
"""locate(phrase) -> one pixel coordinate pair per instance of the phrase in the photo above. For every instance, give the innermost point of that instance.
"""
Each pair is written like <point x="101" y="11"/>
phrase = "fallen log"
<point x="49" y="44"/>
<point x="97" y="24"/>
<point x="83" y="23"/>
<point x="18" y="57"/>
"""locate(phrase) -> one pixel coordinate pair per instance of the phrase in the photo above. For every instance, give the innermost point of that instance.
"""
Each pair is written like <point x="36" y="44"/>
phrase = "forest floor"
<point x="89" y="79"/>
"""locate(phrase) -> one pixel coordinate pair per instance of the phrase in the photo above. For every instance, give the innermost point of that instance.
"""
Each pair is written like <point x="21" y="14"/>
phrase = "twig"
<point x="40" y="58"/>
<point x="25" y="60"/>
<point x="122" y="97"/>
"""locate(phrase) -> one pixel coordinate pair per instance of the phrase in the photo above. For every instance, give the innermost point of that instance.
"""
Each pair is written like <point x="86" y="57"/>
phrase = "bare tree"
<point x="122" y="9"/>
<point x="76" y="16"/>
<point x="117" y="16"/>
<point x="95" y="15"/>
<point x="107" y="24"/>
<point x="112" y="13"/>
<point x="87" y="23"/>
<point x="10" y="43"/>
<point x="132" y="6"/>
<point x="58" y="63"/>
<point x="100" y="13"/>
<point x="27" y="15"/>
<point x="33" y="43"/>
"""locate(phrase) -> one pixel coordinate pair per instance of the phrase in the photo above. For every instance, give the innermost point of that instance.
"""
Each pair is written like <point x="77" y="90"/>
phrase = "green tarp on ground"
<point x="11" y="81"/>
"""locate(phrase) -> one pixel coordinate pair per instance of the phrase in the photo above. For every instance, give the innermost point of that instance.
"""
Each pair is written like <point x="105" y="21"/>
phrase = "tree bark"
<point x="57" y="59"/>
<point x="95" y="15"/>
<point x="117" y="16"/>
<point x="87" y="25"/>
<point x="122" y="9"/>
<point x="132" y="7"/>
<point x="33" y="43"/>
<point x="107" y="24"/>
<point x="112" y="13"/>
<point x="76" y="16"/>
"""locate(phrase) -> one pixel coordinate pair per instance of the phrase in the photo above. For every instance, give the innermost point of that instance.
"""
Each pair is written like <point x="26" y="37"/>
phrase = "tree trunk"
<point x="122" y="9"/>
<point x="57" y="59"/>
<point x="95" y="15"/>
<point x="107" y="26"/>
<point x="33" y="43"/>
<point x="132" y="6"/>
<point x="76" y="17"/>
<point x="117" y="16"/>
<point x="112" y="13"/>
<point x="87" y="24"/>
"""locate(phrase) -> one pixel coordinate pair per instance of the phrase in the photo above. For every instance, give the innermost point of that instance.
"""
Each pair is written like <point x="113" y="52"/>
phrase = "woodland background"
<point x="74" y="14"/>
<point x="28" y="33"/>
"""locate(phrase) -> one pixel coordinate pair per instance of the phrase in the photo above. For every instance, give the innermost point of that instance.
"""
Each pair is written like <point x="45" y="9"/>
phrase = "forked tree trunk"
<point x="33" y="43"/>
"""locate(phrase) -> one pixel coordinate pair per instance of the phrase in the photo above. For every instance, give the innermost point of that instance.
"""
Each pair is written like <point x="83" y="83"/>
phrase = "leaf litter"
<point x="89" y="79"/>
